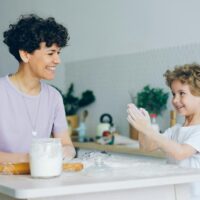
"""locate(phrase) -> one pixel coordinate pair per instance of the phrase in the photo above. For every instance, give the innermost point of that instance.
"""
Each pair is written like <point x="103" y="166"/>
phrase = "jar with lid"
<point x="46" y="157"/>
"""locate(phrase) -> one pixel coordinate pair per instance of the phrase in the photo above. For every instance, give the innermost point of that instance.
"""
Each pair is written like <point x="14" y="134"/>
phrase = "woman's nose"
<point x="57" y="59"/>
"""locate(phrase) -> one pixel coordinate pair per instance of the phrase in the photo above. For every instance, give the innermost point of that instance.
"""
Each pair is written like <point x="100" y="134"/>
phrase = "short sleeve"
<point x="60" y="122"/>
<point x="194" y="140"/>
<point x="168" y="133"/>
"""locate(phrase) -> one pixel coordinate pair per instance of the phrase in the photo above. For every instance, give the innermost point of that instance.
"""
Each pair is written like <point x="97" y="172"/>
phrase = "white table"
<point x="141" y="181"/>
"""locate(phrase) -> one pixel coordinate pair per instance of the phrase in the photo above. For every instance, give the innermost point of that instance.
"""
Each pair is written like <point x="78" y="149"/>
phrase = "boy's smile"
<point x="183" y="100"/>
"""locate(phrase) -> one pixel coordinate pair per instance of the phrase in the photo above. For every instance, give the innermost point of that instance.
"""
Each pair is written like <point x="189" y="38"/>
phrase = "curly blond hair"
<point x="186" y="74"/>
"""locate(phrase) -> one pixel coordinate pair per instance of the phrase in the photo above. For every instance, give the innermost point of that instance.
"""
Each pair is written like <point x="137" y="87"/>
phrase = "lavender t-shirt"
<point x="20" y="114"/>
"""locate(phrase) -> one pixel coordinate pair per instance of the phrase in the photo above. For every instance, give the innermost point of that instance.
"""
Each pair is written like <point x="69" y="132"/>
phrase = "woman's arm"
<point x="68" y="147"/>
<point x="68" y="151"/>
<point x="13" y="157"/>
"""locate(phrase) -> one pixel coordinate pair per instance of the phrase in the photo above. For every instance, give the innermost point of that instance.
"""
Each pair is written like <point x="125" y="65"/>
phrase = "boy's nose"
<point x="175" y="99"/>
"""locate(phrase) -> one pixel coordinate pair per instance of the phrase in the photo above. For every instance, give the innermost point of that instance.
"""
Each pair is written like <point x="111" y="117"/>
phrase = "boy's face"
<point x="183" y="100"/>
<point x="42" y="62"/>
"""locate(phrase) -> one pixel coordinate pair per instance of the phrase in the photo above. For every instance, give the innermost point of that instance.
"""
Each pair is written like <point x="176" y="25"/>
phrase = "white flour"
<point x="46" y="158"/>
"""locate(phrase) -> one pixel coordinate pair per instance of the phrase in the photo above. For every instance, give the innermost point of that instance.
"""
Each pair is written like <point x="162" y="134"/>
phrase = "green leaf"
<point x="154" y="100"/>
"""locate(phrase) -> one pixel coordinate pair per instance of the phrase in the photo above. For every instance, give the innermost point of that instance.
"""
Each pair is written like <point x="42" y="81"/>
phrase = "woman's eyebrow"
<point x="53" y="50"/>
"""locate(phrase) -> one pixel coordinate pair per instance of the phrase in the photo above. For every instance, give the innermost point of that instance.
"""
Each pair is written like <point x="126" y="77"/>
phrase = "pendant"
<point x="34" y="133"/>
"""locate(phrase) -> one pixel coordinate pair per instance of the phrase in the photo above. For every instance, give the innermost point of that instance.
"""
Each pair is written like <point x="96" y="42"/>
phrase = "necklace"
<point x="33" y="123"/>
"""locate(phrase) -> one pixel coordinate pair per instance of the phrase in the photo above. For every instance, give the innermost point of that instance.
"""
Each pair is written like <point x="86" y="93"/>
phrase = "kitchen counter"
<point x="131" y="150"/>
<point x="138" y="181"/>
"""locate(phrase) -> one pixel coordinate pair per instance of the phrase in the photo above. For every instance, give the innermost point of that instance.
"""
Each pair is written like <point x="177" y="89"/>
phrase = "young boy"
<point x="181" y="143"/>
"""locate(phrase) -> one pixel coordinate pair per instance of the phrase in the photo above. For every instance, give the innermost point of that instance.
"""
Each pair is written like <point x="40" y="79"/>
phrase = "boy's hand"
<point x="139" y="118"/>
<point x="146" y="114"/>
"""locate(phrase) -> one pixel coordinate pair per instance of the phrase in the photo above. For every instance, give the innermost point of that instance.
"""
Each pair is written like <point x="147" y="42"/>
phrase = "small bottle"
<point x="154" y="123"/>
<point x="81" y="132"/>
<point x="82" y="127"/>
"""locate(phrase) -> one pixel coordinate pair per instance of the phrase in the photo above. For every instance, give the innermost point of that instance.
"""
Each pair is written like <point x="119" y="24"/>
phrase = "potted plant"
<point x="73" y="103"/>
<point x="154" y="100"/>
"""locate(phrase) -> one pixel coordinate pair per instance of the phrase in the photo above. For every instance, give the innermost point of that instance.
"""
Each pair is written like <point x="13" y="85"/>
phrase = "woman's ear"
<point x="24" y="56"/>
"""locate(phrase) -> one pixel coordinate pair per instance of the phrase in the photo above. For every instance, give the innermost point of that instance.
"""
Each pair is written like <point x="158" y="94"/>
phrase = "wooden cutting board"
<point x="24" y="168"/>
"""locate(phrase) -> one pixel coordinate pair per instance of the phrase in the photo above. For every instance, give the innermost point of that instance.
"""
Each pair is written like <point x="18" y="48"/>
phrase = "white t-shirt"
<point x="187" y="135"/>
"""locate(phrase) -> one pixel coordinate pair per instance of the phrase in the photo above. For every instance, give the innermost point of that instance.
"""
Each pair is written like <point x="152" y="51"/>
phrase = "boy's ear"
<point x="24" y="56"/>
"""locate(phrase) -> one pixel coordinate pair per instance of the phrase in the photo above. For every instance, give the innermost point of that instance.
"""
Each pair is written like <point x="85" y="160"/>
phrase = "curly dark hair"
<point x="186" y="74"/>
<point x="30" y="31"/>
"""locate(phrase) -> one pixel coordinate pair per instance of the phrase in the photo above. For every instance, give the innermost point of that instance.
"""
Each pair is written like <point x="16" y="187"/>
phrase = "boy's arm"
<point x="151" y="137"/>
<point x="146" y="144"/>
<point x="172" y="148"/>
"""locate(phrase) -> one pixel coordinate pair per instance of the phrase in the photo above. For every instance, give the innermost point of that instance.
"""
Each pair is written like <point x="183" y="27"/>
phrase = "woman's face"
<point x="183" y="100"/>
<point x="42" y="62"/>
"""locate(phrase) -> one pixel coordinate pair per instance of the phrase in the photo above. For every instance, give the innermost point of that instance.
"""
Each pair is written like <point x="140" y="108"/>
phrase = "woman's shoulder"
<point x="4" y="81"/>
<point x="50" y="90"/>
<point x="3" y="78"/>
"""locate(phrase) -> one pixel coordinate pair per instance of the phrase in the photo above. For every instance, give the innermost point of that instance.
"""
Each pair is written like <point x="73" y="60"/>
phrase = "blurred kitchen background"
<point x="116" y="48"/>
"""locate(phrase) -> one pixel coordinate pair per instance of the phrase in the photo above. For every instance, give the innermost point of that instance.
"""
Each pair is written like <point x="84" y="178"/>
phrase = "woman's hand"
<point x="68" y="152"/>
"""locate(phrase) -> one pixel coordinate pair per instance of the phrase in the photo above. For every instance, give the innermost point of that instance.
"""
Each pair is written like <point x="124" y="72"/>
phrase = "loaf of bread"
<point x="24" y="168"/>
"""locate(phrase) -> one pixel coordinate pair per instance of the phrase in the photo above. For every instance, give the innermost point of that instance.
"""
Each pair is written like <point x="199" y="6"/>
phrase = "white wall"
<point x="114" y="78"/>
<point x="106" y="36"/>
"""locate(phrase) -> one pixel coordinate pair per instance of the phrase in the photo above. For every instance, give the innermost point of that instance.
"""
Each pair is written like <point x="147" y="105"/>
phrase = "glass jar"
<point x="46" y="158"/>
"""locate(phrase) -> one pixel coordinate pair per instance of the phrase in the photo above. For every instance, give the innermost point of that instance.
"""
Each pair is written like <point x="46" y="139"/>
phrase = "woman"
<point x="30" y="108"/>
